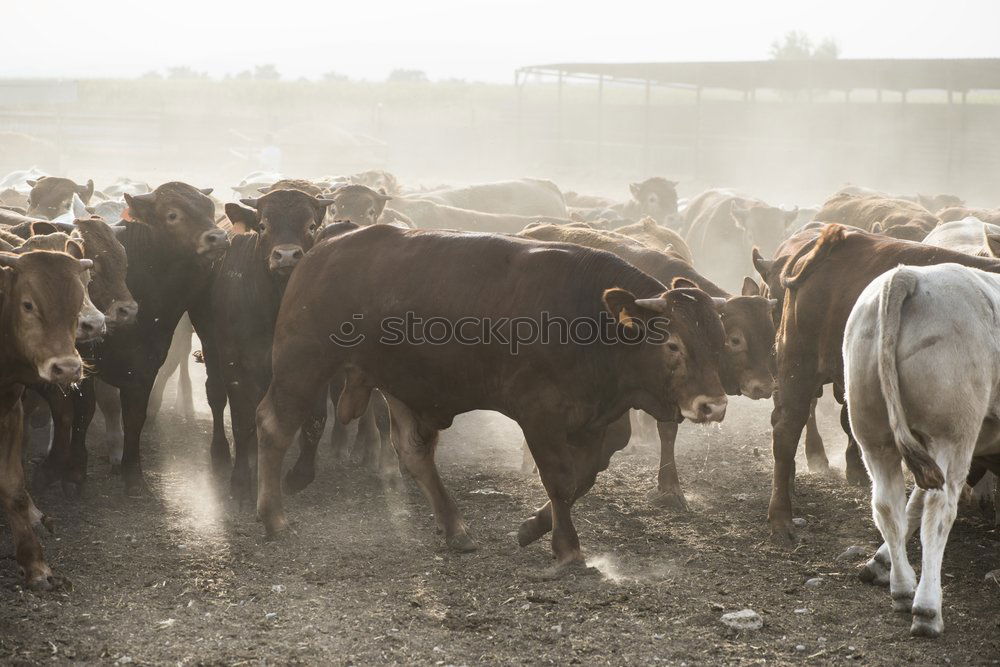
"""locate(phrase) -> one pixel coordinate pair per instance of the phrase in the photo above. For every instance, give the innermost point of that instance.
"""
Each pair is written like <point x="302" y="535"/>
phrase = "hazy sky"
<point x="471" y="39"/>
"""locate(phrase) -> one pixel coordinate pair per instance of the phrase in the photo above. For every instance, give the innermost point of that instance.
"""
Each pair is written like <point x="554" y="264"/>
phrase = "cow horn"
<point x="657" y="304"/>
<point x="252" y="203"/>
<point x="206" y="191"/>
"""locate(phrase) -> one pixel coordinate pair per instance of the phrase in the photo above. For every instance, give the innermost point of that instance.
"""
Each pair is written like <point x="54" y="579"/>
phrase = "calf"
<point x="822" y="282"/>
<point x="922" y="372"/>
<point x="50" y="197"/>
<point x="747" y="364"/>
<point x="564" y="396"/>
<point x="243" y="305"/>
<point x="41" y="294"/>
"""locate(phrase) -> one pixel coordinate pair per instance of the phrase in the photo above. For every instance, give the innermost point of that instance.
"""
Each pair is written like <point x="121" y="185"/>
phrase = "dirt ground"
<point x="185" y="577"/>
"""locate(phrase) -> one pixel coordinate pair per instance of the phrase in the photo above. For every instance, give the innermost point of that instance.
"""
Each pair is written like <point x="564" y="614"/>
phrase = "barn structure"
<point x="895" y="124"/>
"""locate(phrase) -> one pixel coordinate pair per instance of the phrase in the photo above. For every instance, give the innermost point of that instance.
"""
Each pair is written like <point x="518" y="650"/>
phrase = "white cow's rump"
<point x="922" y="372"/>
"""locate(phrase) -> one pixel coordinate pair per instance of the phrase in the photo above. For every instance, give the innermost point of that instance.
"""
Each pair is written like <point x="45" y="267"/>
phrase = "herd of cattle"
<point x="97" y="310"/>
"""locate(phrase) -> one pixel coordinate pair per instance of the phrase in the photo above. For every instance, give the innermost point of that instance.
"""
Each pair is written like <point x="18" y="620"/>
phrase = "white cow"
<point x="922" y="373"/>
<point x="965" y="235"/>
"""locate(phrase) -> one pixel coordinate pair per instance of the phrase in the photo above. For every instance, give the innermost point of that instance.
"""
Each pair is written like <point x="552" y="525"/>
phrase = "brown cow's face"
<point x="51" y="197"/>
<point x="764" y="225"/>
<point x="182" y="218"/>
<point x="748" y="359"/>
<point x="287" y="222"/>
<point x="657" y="198"/>
<point x="107" y="287"/>
<point x="684" y="365"/>
<point x="358" y="204"/>
<point x="43" y="293"/>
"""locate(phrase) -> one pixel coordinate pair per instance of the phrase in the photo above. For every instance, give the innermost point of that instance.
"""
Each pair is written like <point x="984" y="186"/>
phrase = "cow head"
<point x="770" y="287"/>
<point x="91" y="324"/>
<point x="764" y="226"/>
<point x="50" y="197"/>
<point x="748" y="359"/>
<point x="937" y="203"/>
<point x="358" y="204"/>
<point x="107" y="288"/>
<point x="681" y="348"/>
<point x="287" y="222"/>
<point x="182" y="220"/>
<point x="656" y="197"/>
<point x="376" y="179"/>
<point x="911" y="231"/>
<point x="42" y="294"/>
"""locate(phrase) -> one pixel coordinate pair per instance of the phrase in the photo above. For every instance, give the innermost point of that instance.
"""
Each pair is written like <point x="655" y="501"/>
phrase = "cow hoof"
<point x="783" y="535"/>
<point x="72" y="490"/>
<point x="462" y="543"/>
<point x="296" y="480"/>
<point x="135" y="486"/>
<point x="529" y="532"/>
<point x="116" y="469"/>
<point x="902" y="603"/>
<point x="819" y="466"/>
<point x="42" y="583"/>
<point x="857" y="477"/>
<point x="673" y="500"/>
<point x="926" y="623"/>
<point x="874" y="573"/>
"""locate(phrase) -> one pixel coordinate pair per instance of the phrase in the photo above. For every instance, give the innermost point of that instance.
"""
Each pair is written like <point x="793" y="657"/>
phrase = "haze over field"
<point x="481" y="40"/>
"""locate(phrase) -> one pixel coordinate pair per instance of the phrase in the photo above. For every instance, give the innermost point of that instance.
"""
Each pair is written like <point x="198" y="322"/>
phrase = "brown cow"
<point x="50" y="197"/>
<point x="897" y="218"/>
<point x="747" y="363"/>
<point x="990" y="215"/>
<point x="359" y="204"/>
<point x="563" y="392"/>
<point x="650" y="233"/>
<point x="723" y="227"/>
<point x="42" y="293"/>
<point x="823" y="281"/>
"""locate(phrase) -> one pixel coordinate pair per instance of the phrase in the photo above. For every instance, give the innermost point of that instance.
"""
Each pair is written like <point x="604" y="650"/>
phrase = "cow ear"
<point x="244" y="219"/>
<point x="41" y="227"/>
<point x="383" y="196"/>
<point x="623" y="306"/>
<point x="32" y="182"/>
<point x="206" y="191"/>
<point x="634" y="188"/>
<point x="86" y="191"/>
<point x="762" y="265"/>
<point x="992" y="242"/>
<point x="877" y="228"/>
<point x="74" y="249"/>
<point x="140" y="207"/>
<point x="682" y="283"/>
<point x="750" y="288"/>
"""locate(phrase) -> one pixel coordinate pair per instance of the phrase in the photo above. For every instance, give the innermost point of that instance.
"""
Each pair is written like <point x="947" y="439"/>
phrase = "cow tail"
<point x="897" y="289"/>
<point x="811" y="255"/>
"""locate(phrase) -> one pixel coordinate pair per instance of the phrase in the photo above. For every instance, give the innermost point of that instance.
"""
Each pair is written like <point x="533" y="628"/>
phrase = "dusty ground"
<point x="183" y="577"/>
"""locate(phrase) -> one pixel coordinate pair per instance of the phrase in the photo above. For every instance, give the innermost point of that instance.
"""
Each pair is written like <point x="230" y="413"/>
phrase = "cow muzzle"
<point x="213" y="243"/>
<point x="90" y="327"/>
<point x="62" y="370"/>
<point x="706" y="409"/>
<point x="757" y="389"/>
<point x="284" y="257"/>
<point x="121" y="313"/>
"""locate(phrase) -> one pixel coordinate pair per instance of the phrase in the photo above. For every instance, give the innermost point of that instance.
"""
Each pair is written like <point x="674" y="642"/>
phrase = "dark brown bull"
<point x="747" y="364"/>
<point x="822" y="282"/>
<point x="50" y="197"/>
<point x="564" y="396"/>
<point x="41" y="294"/>
<point x="243" y="305"/>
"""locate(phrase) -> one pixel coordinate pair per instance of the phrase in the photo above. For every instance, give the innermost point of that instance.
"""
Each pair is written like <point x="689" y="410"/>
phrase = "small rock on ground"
<point x="743" y="620"/>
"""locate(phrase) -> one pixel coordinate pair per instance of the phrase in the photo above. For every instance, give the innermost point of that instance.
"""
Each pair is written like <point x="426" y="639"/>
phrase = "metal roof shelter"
<point x="959" y="75"/>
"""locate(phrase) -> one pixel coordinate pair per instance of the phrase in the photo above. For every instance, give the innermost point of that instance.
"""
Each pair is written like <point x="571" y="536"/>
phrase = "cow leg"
<point x="388" y="462"/>
<point x="14" y="497"/>
<point x="109" y="402"/>
<point x="242" y="412"/>
<point x="876" y="570"/>
<point x="888" y="502"/>
<point x="339" y="442"/>
<point x="791" y="412"/>
<point x="668" y="491"/>
<point x="215" y="392"/>
<point x="856" y="473"/>
<point x="415" y="443"/>
<point x="175" y="355"/>
<point x="940" y="508"/>
<point x="815" y="452"/>
<point x="134" y="401"/>
<point x="184" y="399"/>
<point x="56" y="464"/>
<point x="527" y="462"/>
<point x="84" y="405"/>
<point x="366" y="440"/>
<point x="303" y="472"/>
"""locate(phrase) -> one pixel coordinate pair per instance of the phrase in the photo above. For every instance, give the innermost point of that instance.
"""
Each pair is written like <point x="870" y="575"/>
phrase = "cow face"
<point x="748" y="359"/>
<point x="358" y="204"/>
<point x="107" y="288"/>
<point x="182" y="219"/>
<point x="765" y="226"/>
<point x="51" y="197"/>
<point x="683" y="366"/>
<point x="376" y="179"/>
<point x="43" y="293"/>
<point x="287" y="222"/>
<point x="656" y="197"/>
